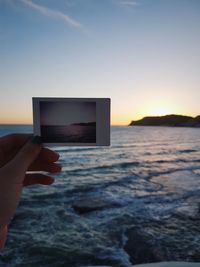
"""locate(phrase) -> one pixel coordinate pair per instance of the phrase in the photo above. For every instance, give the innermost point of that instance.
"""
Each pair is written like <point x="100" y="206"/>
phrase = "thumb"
<point x="26" y="155"/>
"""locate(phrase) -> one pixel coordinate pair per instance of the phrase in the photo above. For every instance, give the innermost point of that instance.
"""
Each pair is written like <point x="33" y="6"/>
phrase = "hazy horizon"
<point x="142" y="54"/>
<point x="111" y="124"/>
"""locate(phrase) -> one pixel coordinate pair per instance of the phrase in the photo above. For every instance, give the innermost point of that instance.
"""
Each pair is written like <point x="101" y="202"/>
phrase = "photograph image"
<point x="68" y="122"/>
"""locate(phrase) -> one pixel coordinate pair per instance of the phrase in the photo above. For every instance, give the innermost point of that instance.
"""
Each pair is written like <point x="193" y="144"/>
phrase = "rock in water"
<point x="159" y="264"/>
<point x="89" y="204"/>
<point x="170" y="264"/>
<point x="138" y="248"/>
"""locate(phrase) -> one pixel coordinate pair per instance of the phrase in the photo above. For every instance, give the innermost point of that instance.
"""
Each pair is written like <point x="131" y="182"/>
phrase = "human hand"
<point x="19" y="154"/>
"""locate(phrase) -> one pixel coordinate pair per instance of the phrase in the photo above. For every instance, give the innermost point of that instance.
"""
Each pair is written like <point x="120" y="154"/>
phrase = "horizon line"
<point x="112" y="124"/>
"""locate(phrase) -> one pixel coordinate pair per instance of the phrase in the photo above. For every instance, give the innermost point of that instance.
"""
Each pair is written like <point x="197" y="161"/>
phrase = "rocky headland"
<point x="168" y="120"/>
<point x="93" y="123"/>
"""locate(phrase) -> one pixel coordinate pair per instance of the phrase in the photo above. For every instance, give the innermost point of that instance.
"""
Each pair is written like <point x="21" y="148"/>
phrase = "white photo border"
<point x="102" y="119"/>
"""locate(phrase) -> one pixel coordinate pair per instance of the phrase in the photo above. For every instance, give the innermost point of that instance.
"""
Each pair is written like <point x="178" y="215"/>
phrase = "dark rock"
<point x="89" y="204"/>
<point x="139" y="248"/>
<point x="194" y="122"/>
<point x="170" y="264"/>
<point x="93" y="123"/>
<point x="168" y="120"/>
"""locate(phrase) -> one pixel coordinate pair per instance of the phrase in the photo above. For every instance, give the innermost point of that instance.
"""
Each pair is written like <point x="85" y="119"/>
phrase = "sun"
<point x="160" y="111"/>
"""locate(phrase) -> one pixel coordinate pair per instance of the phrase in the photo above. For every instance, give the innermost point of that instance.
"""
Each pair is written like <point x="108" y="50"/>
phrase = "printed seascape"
<point x="134" y="202"/>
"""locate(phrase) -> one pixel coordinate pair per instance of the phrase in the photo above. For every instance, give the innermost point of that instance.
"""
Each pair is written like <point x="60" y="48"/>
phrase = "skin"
<point x="18" y="156"/>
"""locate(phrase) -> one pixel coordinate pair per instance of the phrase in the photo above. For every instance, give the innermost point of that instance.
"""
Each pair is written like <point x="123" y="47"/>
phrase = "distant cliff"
<point x="93" y="123"/>
<point x="168" y="120"/>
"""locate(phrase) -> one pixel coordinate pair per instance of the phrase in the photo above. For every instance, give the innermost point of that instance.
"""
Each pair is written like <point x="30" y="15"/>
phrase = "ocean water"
<point x="137" y="201"/>
<point x="70" y="133"/>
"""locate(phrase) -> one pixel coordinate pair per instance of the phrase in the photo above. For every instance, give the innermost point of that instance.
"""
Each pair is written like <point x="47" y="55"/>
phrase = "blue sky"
<point x="143" y="54"/>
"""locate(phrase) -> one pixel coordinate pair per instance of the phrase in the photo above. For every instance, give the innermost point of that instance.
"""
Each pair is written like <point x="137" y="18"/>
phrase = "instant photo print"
<point x="72" y="121"/>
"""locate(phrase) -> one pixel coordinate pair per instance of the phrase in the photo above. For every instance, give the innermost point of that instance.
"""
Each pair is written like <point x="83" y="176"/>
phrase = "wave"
<point x="123" y="165"/>
<point x="187" y="150"/>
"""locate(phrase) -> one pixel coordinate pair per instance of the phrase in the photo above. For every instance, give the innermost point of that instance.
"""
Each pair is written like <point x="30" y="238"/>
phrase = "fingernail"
<point x="36" y="140"/>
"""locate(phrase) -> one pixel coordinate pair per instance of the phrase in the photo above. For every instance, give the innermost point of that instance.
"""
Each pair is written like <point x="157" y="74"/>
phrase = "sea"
<point x="136" y="201"/>
<point x="70" y="133"/>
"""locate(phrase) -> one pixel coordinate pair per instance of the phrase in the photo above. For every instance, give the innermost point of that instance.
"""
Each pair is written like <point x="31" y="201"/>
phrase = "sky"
<point x="57" y="113"/>
<point x="143" y="54"/>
